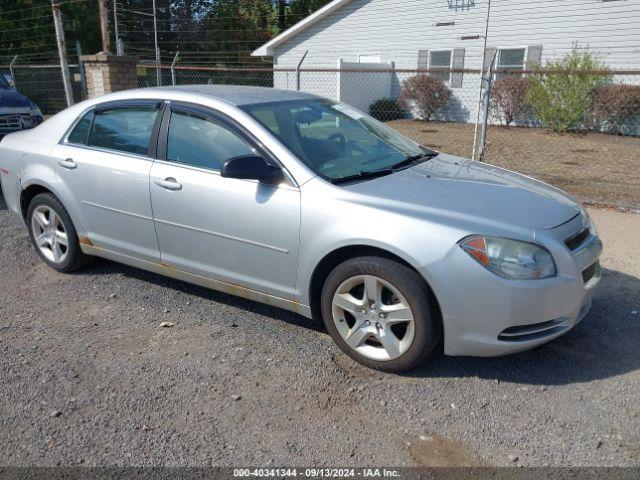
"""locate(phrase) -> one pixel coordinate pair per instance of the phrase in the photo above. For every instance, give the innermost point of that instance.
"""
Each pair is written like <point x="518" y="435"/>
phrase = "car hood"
<point x="453" y="185"/>
<point x="14" y="99"/>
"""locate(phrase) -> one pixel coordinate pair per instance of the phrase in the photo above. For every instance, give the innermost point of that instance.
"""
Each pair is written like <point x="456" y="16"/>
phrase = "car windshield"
<point x="333" y="139"/>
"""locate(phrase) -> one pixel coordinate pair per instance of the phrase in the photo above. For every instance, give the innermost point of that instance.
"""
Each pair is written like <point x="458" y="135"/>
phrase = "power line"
<point x="25" y="19"/>
<point x="46" y="5"/>
<point x="26" y="28"/>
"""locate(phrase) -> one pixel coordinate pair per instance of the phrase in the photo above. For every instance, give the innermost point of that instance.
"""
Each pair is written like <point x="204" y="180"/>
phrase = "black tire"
<point x="427" y="322"/>
<point x="74" y="258"/>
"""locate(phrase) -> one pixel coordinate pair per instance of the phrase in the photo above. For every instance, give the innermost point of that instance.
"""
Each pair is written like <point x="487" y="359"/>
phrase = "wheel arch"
<point x="334" y="258"/>
<point x="29" y="190"/>
<point x="28" y="193"/>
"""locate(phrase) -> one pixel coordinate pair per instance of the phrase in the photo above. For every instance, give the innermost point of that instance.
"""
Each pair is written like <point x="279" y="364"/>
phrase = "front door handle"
<point x="169" y="184"/>
<point x="67" y="163"/>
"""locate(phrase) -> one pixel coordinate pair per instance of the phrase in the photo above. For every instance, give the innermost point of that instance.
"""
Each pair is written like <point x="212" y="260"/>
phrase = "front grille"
<point x="10" y="122"/>
<point x="577" y="240"/>
<point x="589" y="272"/>
<point x="15" y="122"/>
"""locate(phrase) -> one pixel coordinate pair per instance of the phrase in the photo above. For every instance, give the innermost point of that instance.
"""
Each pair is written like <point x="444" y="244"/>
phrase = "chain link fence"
<point x="43" y="85"/>
<point x="375" y="89"/>
<point x="607" y="101"/>
<point x="440" y="106"/>
<point x="579" y="131"/>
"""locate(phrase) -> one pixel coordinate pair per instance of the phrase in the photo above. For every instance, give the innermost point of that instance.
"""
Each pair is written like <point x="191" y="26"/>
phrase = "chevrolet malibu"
<point x="309" y="205"/>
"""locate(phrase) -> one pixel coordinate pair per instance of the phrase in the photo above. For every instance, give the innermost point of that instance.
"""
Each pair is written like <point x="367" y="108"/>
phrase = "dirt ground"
<point x="596" y="168"/>
<point x="88" y="377"/>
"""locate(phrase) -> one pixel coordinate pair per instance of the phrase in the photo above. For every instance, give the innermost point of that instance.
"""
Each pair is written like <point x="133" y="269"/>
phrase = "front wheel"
<point x="53" y="234"/>
<point x="380" y="313"/>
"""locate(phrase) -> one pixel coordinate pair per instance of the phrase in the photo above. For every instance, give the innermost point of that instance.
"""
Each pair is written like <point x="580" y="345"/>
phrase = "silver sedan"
<point x="309" y="205"/>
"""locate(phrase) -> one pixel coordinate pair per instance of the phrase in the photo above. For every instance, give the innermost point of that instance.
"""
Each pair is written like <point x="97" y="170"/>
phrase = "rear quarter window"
<point x="80" y="133"/>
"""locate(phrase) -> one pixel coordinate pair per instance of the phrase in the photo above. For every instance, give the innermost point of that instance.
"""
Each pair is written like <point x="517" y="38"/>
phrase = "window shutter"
<point x="534" y="56"/>
<point x="423" y="60"/>
<point x="488" y="57"/>
<point x="457" y="63"/>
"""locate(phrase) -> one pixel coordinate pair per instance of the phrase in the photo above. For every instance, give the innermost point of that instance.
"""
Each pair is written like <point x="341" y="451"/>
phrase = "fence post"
<point x="484" y="54"/>
<point x="173" y="70"/>
<point x="298" y="70"/>
<point x="13" y="74"/>
<point x="83" y="78"/>
<point x="339" y="80"/>
<point x="485" y="118"/>
<point x="120" y="47"/>
<point x="155" y="33"/>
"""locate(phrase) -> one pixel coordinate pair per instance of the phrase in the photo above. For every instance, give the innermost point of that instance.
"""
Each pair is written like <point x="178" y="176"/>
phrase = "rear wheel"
<point x="379" y="313"/>
<point x="53" y="234"/>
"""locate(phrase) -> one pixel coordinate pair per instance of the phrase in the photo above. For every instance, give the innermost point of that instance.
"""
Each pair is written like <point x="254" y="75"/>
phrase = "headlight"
<point x="510" y="258"/>
<point x="35" y="110"/>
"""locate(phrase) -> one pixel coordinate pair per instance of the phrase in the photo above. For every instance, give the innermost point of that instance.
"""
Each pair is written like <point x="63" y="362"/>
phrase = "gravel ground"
<point x="89" y="377"/>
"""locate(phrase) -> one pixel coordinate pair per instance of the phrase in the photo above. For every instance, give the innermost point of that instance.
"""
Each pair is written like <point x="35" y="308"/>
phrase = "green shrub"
<point x="614" y="107"/>
<point x="386" y="109"/>
<point x="428" y="93"/>
<point x="561" y="97"/>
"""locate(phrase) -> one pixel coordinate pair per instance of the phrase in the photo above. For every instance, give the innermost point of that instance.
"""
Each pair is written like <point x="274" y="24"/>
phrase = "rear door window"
<point x="125" y="129"/>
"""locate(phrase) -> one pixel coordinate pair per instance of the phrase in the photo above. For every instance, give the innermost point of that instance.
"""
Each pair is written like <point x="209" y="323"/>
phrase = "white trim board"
<point x="267" y="49"/>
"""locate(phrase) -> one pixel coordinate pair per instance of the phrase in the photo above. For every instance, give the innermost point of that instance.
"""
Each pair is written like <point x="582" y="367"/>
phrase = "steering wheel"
<point x="340" y="140"/>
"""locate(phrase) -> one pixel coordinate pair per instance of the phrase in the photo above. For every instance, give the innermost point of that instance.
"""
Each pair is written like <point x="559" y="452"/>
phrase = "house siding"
<point x="400" y="29"/>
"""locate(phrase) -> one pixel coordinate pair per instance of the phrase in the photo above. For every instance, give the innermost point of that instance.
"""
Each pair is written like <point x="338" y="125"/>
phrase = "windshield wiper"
<point x="414" y="160"/>
<point x="407" y="162"/>
<point x="363" y="175"/>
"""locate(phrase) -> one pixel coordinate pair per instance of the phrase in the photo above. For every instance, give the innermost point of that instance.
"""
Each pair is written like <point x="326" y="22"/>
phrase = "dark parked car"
<point x="17" y="112"/>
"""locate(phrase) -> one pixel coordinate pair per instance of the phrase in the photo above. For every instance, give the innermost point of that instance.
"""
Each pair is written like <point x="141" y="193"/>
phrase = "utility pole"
<point x="62" y="51"/>
<point x="282" y="18"/>
<point x="104" y="25"/>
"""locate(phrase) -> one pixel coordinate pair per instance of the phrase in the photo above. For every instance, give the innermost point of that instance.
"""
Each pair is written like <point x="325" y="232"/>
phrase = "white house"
<point x="401" y="36"/>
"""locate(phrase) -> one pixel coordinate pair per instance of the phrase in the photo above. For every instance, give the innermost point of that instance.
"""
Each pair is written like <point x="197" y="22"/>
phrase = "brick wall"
<point x="108" y="73"/>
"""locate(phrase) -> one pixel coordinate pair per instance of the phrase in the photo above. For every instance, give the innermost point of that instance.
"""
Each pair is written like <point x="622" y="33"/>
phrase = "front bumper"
<point x="486" y="315"/>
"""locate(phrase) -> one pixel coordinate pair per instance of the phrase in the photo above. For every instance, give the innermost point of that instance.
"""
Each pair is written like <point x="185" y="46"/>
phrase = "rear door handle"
<point x="169" y="184"/>
<point x="68" y="163"/>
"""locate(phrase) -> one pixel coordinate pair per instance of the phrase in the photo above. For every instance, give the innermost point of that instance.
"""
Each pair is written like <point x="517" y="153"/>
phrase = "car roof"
<point x="239" y="95"/>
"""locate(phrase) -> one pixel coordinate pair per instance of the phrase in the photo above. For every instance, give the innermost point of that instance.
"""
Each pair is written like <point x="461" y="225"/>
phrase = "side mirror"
<point x="252" y="167"/>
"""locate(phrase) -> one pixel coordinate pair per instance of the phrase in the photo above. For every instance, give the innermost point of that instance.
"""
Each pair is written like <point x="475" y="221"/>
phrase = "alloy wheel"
<point x="49" y="234"/>
<point x="373" y="317"/>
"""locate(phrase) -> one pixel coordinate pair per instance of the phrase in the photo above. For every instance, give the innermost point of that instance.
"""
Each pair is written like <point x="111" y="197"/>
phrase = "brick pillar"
<point x="107" y="73"/>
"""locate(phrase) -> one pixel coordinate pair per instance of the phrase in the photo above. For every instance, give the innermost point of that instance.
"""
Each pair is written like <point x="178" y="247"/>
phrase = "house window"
<point x="440" y="60"/>
<point x="511" y="59"/>
<point x="369" y="58"/>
